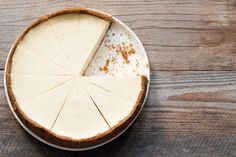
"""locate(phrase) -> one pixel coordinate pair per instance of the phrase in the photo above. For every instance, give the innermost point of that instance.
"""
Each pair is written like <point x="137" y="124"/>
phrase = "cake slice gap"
<point x="79" y="118"/>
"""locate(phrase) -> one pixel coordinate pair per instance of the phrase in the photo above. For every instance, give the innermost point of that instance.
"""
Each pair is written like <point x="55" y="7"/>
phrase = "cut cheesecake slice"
<point x="79" y="118"/>
<point x="80" y="36"/>
<point x="118" y="99"/>
<point x="91" y="32"/>
<point x="113" y="107"/>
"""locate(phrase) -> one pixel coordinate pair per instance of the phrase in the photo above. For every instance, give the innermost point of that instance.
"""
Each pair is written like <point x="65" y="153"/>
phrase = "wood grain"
<point x="191" y="106"/>
<point x="181" y="117"/>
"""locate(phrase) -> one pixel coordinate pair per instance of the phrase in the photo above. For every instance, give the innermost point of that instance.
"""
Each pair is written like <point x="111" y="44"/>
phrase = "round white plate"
<point x="108" y="61"/>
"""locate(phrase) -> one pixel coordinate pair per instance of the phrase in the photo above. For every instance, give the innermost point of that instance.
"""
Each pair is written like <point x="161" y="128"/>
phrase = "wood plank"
<point x="187" y="113"/>
<point x="178" y="35"/>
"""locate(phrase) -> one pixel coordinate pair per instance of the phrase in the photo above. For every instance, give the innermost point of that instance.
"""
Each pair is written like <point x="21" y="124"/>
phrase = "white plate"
<point x="119" y="36"/>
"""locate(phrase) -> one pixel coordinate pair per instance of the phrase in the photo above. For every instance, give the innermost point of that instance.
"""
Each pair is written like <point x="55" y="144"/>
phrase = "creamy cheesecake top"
<point x="48" y="89"/>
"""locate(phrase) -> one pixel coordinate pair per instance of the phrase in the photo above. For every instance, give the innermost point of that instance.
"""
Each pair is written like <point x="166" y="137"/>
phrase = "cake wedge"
<point x="79" y="119"/>
<point x="79" y="35"/>
<point x="116" y="107"/>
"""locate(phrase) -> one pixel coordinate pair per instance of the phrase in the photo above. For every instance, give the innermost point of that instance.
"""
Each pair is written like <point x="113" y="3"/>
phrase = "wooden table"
<point x="191" y="107"/>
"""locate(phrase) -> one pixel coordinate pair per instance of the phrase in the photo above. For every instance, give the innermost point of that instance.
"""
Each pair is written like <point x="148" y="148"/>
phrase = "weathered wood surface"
<point x="191" y="106"/>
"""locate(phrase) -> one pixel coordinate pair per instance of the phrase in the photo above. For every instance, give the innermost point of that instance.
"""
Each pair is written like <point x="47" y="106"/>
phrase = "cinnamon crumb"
<point x="131" y="51"/>
<point x="113" y="34"/>
<point x="126" y="62"/>
<point x="113" y="59"/>
<point x="105" y="67"/>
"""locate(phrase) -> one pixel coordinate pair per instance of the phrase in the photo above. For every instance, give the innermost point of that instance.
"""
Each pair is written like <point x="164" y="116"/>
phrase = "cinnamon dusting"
<point x="126" y="51"/>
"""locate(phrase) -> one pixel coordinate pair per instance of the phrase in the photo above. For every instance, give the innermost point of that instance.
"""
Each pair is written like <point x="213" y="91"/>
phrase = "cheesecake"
<point x="49" y="92"/>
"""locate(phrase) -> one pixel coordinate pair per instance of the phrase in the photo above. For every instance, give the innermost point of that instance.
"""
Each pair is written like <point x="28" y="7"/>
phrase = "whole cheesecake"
<point x="49" y="92"/>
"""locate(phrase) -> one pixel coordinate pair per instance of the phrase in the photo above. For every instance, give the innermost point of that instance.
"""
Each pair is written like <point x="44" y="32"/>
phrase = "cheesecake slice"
<point x="79" y="118"/>
<point x="91" y="32"/>
<point x="79" y="35"/>
<point x="113" y="105"/>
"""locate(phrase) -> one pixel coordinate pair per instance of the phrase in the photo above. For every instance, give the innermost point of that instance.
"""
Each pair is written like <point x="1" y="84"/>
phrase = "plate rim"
<point x="91" y="147"/>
